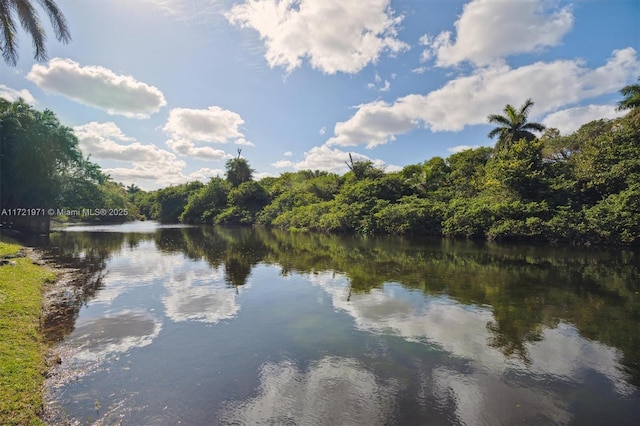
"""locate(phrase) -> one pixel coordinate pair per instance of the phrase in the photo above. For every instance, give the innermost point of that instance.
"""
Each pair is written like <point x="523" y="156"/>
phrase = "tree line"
<point x="582" y="188"/>
<point x="534" y="185"/>
<point x="42" y="170"/>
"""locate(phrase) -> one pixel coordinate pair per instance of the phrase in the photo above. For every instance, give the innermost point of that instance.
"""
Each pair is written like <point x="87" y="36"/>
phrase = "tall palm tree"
<point x="513" y="126"/>
<point x="28" y="17"/>
<point x="631" y="95"/>
<point x="238" y="170"/>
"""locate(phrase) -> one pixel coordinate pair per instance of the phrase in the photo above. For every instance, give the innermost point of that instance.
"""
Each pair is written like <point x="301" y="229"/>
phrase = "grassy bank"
<point x="22" y="350"/>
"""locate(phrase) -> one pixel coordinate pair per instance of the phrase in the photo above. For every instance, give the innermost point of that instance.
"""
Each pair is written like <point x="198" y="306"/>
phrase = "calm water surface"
<point x="204" y="325"/>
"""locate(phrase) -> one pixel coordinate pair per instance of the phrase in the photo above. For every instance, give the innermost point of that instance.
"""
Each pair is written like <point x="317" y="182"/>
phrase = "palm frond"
<point x="58" y="21"/>
<point x="496" y="132"/>
<point x="8" y="45"/>
<point x="498" y="119"/>
<point x="524" y="109"/>
<point x="31" y="24"/>
<point x="534" y="126"/>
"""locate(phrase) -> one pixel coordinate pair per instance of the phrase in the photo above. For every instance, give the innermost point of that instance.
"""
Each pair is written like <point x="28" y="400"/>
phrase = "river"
<point x="209" y="325"/>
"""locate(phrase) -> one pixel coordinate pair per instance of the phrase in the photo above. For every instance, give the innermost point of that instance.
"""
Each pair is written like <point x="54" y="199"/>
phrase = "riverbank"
<point x="23" y="351"/>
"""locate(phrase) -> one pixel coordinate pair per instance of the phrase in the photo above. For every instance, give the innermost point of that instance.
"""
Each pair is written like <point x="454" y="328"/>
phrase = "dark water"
<point x="206" y="325"/>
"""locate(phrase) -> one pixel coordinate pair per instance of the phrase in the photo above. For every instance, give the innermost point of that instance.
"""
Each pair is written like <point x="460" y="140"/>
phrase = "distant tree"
<point x="362" y="169"/>
<point x="28" y="17"/>
<point x="133" y="189"/>
<point x="238" y="170"/>
<point x="631" y="95"/>
<point x="513" y="125"/>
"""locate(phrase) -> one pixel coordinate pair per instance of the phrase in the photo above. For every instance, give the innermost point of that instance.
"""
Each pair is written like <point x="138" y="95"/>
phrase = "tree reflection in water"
<point x="527" y="288"/>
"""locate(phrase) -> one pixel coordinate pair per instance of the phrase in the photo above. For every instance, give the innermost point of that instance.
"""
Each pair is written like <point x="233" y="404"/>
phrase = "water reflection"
<point x="457" y="332"/>
<point x="331" y="391"/>
<point x="199" y="294"/>
<point x="95" y="339"/>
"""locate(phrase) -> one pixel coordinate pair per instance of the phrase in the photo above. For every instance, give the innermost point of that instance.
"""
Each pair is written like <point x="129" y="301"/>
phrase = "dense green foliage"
<point x="582" y="188"/>
<point x="41" y="167"/>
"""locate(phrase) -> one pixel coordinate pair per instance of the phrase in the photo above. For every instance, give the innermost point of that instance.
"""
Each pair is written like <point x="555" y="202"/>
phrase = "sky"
<point x="162" y="92"/>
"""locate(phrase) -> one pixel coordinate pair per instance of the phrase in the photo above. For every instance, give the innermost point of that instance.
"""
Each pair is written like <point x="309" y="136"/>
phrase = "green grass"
<point x="22" y="351"/>
<point x="6" y="248"/>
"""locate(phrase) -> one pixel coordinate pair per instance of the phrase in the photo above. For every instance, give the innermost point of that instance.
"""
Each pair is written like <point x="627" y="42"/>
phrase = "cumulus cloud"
<point x="489" y="30"/>
<point x="243" y="142"/>
<point x="569" y="120"/>
<point x="187" y="126"/>
<point x="334" y="160"/>
<point x="375" y="123"/>
<point x="213" y="124"/>
<point x="335" y="35"/>
<point x="280" y="164"/>
<point x="467" y="100"/>
<point x="288" y="154"/>
<point x="106" y="141"/>
<point x="13" y="95"/>
<point x="187" y="148"/>
<point x="98" y="87"/>
<point x="150" y="167"/>
<point x="150" y="176"/>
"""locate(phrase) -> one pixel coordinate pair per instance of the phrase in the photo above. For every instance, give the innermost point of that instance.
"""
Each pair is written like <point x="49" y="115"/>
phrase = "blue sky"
<point x="163" y="92"/>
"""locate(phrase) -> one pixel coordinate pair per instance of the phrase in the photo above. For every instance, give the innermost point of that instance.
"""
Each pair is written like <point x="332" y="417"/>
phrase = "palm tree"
<point x="631" y="95"/>
<point x="238" y="170"/>
<point x="28" y="17"/>
<point x="513" y="126"/>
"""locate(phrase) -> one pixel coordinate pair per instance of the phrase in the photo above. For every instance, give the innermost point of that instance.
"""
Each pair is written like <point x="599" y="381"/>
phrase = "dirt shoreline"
<point x="61" y="302"/>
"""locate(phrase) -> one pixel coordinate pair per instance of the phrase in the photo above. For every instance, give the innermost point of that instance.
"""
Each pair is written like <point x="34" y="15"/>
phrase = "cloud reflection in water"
<point x="488" y="391"/>
<point x="200" y="295"/>
<point x="332" y="391"/>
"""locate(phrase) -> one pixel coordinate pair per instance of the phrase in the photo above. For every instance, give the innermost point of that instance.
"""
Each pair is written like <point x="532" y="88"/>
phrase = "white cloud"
<point x="419" y="70"/>
<point x="150" y="167"/>
<point x="569" y="120"/>
<point x="469" y="99"/>
<point x="335" y="35"/>
<point x="212" y="125"/>
<point x="489" y="30"/>
<point x="288" y="154"/>
<point x="98" y="87"/>
<point x="13" y="95"/>
<point x="334" y="160"/>
<point x="280" y="164"/>
<point x="374" y="124"/>
<point x="262" y="175"/>
<point x="105" y="141"/>
<point x="460" y="148"/>
<point x="243" y="142"/>
<point x="150" y="176"/>
<point x="187" y="148"/>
